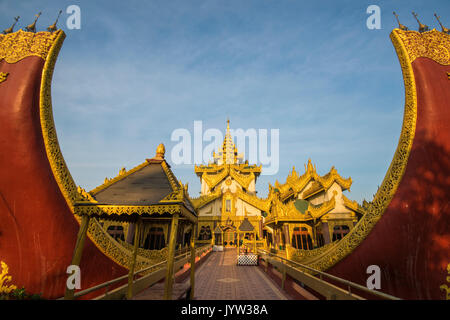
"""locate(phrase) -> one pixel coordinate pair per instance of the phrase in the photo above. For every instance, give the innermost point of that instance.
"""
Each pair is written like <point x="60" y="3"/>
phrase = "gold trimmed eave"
<point x="132" y="213"/>
<point x="205" y="199"/>
<point x="289" y="213"/>
<point x="213" y="177"/>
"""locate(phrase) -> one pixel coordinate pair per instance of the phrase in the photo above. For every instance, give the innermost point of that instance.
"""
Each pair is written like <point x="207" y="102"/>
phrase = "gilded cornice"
<point x="243" y="180"/>
<point x="124" y="210"/>
<point x="296" y="183"/>
<point x="288" y="212"/>
<point x="205" y="199"/>
<point x="353" y="205"/>
<point x="261" y="204"/>
<point x="432" y="44"/>
<point x="174" y="183"/>
<point x="21" y="44"/>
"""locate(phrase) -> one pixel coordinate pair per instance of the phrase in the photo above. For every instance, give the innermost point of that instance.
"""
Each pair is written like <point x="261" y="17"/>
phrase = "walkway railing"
<point x="314" y="279"/>
<point x="141" y="283"/>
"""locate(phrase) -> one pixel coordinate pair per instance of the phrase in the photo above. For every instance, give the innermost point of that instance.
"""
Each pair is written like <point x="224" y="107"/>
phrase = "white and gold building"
<point x="228" y="197"/>
<point x="309" y="211"/>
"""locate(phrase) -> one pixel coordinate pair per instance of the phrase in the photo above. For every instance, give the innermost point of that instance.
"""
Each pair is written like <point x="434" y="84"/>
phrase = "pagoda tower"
<point x="228" y="195"/>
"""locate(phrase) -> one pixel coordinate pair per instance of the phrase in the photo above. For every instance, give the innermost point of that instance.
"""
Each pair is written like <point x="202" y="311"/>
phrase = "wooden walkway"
<point x="219" y="278"/>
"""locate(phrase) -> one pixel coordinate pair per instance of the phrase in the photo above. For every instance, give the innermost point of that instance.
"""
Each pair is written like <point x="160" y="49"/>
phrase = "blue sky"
<point x="137" y="70"/>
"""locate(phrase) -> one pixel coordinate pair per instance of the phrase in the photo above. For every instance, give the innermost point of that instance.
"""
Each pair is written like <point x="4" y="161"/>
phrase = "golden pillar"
<point x="192" y="294"/>
<point x="78" y="251"/>
<point x="137" y="232"/>
<point x="171" y="257"/>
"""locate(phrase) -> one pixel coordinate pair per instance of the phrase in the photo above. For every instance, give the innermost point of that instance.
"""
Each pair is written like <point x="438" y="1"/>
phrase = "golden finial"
<point x="160" y="151"/>
<point x="32" y="27"/>
<point x="444" y="29"/>
<point x="422" y="27"/>
<point x="400" y="26"/>
<point x="11" y="29"/>
<point x="53" y="28"/>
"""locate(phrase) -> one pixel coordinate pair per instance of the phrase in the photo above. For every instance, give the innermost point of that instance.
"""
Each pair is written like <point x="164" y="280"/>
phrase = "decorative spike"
<point x="32" y="27"/>
<point x="422" y="27"/>
<point x="11" y="29"/>
<point x="53" y="27"/>
<point x="400" y="26"/>
<point x="444" y="29"/>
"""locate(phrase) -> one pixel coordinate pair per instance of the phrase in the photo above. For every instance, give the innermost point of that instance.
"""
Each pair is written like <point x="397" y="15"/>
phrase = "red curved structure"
<point x="38" y="230"/>
<point x="411" y="241"/>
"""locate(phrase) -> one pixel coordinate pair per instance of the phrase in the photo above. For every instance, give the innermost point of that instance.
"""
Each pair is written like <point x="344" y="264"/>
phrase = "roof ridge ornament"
<point x="444" y="29"/>
<point x="11" y="29"/>
<point x="53" y="27"/>
<point x="400" y="26"/>
<point x="32" y="27"/>
<point x="422" y="27"/>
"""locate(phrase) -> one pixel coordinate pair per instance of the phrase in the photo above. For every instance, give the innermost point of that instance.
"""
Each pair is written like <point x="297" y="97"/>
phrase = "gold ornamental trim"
<point x="432" y="44"/>
<point x="21" y="44"/>
<point x="123" y="210"/>
<point x="101" y="239"/>
<point x="3" y="76"/>
<point x="326" y="257"/>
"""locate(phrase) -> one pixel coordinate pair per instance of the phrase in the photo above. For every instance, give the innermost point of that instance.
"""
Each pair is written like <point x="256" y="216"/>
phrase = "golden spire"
<point x="228" y="147"/>
<point x="400" y="26"/>
<point x="160" y="151"/>
<point x="11" y="29"/>
<point x="444" y="29"/>
<point x="422" y="27"/>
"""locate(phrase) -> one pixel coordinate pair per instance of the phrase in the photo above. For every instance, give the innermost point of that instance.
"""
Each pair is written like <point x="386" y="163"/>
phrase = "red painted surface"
<point x="37" y="229"/>
<point x="411" y="242"/>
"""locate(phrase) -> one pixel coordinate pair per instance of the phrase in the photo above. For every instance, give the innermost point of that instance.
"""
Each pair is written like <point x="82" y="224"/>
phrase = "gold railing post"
<point x="170" y="258"/>
<point x="192" y="294"/>
<point x="137" y="232"/>
<point x="78" y="251"/>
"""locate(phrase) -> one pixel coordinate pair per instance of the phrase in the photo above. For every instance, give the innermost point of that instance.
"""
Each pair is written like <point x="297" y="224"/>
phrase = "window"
<point x="320" y="238"/>
<point x="116" y="232"/>
<point x="228" y="205"/>
<point x="301" y="239"/>
<point x="205" y="233"/>
<point x="155" y="239"/>
<point x="339" y="232"/>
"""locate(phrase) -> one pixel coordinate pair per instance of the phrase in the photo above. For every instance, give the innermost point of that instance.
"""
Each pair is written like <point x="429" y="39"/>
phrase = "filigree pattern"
<point x="99" y="237"/>
<point x="3" y="76"/>
<point x="109" y="210"/>
<point x="19" y="45"/>
<point x="432" y="44"/>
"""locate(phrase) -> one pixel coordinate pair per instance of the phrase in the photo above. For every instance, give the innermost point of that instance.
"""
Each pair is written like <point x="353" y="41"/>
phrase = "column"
<point x="78" y="251"/>
<point x="171" y="257"/>
<point x="137" y="232"/>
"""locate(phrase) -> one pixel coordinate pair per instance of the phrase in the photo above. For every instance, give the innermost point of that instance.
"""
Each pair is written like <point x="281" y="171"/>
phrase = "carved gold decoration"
<point x="3" y="76"/>
<point x="296" y="183"/>
<point x="84" y="196"/>
<point x="4" y="279"/>
<point x="205" y="199"/>
<point x="19" y="45"/>
<point x="432" y="44"/>
<point x="444" y="287"/>
<point x="325" y="257"/>
<point x="99" y="237"/>
<point x="448" y="75"/>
